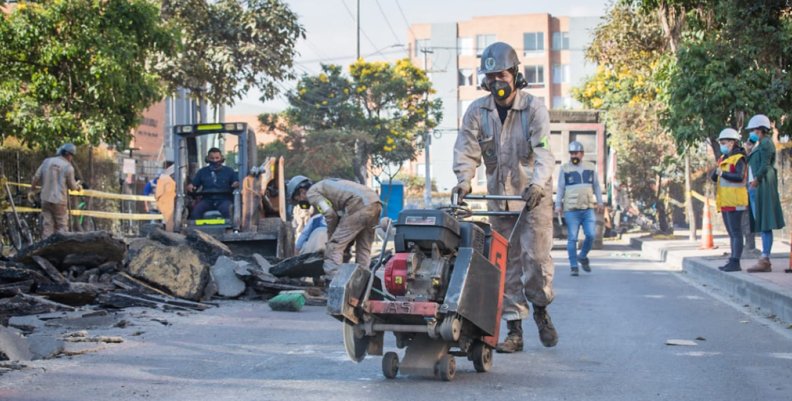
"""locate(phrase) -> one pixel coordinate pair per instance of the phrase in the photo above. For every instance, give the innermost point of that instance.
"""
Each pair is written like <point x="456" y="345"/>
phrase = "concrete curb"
<point x="701" y="265"/>
<point x="758" y="293"/>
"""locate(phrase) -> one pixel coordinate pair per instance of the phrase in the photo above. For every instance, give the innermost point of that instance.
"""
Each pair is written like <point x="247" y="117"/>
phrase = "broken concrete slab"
<point x="13" y="347"/>
<point x="26" y="304"/>
<point x="88" y="260"/>
<point x="9" y="274"/>
<point x="45" y="346"/>
<point x="11" y="289"/>
<point x="60" y="245"/>
<point x="228" y="284"/>
<point x="306" y="265"/>
<point x="167" y="238"/>
<point x="73" y="294"/>
<point x="263" y="263"/>
<point x="178" y="270"/>
<point x="48" y="268"/>
<point x="209" y="247"/>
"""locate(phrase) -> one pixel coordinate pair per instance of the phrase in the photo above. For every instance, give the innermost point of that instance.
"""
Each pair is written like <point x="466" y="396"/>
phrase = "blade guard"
<point x="346" y="292"/>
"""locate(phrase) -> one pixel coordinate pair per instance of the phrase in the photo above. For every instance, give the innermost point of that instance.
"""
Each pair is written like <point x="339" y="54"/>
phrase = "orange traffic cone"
<point x="707" y="242"/>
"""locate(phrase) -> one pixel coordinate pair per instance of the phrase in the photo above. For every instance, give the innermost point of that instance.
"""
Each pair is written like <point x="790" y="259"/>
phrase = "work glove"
<point x="533" y="195"/>
<point x="31" y="197"/>
<point x="461" y="190"/>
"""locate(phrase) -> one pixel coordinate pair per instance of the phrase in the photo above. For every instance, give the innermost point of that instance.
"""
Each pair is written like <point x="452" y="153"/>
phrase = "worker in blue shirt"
<point x="217" y="183"/>
<point x="314" y="237"/>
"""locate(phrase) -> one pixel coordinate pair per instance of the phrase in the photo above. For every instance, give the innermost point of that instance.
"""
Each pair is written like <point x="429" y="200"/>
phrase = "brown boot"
<point x="514" y="340"/>
<point x="547" y="332"/>
<point x="761" y="266"/>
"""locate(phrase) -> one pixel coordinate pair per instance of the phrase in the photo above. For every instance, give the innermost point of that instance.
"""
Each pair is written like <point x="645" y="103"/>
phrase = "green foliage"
<point x="231" y="46"/>
<point x="376" y="115"/>
<point x="78" y="70"/>
<point x="730" y="65"/>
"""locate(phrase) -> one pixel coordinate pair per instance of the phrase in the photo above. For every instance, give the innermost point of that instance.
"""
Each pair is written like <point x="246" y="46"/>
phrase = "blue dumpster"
<point x="392" y="196"/>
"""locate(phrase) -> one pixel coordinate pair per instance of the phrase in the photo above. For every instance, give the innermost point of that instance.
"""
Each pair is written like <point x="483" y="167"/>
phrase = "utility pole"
<point x="427" y="141"/>
<point x="357" y="53"/>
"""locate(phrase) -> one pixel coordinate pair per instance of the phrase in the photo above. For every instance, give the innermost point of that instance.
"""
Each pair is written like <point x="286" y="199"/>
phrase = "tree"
<point x="732" y="62"/>
<point x="78" y="70"/>
<point x="231" y="46"/>
<point x="631" y="53"/>
<point x="378" y="113"/>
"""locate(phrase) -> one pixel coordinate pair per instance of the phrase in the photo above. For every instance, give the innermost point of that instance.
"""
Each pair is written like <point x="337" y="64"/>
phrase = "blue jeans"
<point x="574" y="219"/>
<point x="767" y="236"/>
<point x="205" y="205"/>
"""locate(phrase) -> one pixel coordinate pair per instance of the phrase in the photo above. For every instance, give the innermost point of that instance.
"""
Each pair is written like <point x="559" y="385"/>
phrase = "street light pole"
<point x="427" y="141"/>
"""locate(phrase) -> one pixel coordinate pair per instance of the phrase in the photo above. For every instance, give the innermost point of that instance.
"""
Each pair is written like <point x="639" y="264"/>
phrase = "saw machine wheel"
<point x="446" y="368"/>
<point x="481" y="355"/>
<point x="390" y="365"/>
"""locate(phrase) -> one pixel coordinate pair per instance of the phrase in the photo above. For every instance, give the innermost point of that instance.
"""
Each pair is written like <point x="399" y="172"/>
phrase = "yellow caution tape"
<point x="108" y="195"/>
<point x="100" y="194"/>
<point x="98" y="214"/>
<point x="209" y="222"/>
<point x="702" y="198"/>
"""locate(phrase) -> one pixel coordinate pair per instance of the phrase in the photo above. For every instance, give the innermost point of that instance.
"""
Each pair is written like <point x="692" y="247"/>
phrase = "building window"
<point x="466" y="46"/>
<point x="482" y="41"/>
<point x="533" y="42"/>
<point x="560" y="40"/>
<point x="465" y="77"/>
<point x="420" y="44"/>
<point x="534" y="75"/>
<point x="560" y="73"/>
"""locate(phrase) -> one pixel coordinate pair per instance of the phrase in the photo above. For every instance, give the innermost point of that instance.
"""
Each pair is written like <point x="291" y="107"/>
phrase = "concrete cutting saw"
<point x="440" y="294"/>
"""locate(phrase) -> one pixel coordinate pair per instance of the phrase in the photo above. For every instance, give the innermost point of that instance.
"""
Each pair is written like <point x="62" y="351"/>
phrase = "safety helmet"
<point x="575" y="146"/>
<point x="758" y="121"/>
<point x="297" y="182"/>
<point x="498" y="57"/>
<point x="729" y="133"/>
<point x="67" y="148"/>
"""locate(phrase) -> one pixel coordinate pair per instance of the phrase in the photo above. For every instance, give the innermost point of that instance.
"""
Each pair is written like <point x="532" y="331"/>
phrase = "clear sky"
<point x="330" y="30"/>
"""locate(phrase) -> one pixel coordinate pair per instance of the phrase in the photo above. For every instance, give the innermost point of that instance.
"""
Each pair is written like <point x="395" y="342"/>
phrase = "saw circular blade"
<point x="355" y="347"/>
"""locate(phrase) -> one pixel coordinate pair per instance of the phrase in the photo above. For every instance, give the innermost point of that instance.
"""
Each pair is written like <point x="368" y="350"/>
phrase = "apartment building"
<point x="551" y="51"/>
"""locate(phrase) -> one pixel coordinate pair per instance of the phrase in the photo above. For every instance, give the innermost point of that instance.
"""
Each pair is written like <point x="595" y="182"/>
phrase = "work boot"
<point x="761" y="266"/>
<point x="732" y="266"/>
<point x="547" y="332"/>
<point x="514" y="340"/>
<point x="584" y="263"/>
<point x="574" y="271"/>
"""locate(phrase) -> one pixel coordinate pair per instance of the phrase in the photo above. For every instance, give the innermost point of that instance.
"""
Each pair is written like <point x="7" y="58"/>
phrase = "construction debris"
<point x="13" y="347"/>
<point x="223" y="273"/>
<point x="178" y="270"/>
<point x="306" y="265"/>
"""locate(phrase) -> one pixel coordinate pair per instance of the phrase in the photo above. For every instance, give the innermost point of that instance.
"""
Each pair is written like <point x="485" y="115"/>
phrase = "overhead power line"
<point x="365" y="35"/>
<point x="405" y="18"/>
<point x="387" y="21"/>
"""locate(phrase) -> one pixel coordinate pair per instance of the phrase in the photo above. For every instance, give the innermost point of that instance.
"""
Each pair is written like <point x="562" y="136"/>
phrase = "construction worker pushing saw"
<point x="508" y="130"/>
<point x="351" y="212"/>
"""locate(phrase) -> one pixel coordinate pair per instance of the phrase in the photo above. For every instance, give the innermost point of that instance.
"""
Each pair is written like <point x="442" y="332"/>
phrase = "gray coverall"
<point x="56" y="176"/>
<point x="351" y="211"/>
<point x="515" y="154"/>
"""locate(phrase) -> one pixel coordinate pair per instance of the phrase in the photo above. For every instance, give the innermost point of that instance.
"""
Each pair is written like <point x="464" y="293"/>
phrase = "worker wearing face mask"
<point x="579" y="192"/>
<point x="351" y="212"/>
<point x="508" y="130"/>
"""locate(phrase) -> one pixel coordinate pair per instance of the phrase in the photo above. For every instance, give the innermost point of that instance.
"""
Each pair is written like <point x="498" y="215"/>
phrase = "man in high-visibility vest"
<point x="578" y="187"/>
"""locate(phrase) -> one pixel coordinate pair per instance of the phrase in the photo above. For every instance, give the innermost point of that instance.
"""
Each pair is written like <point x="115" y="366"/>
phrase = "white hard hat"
<point x="758" y="121"/>
<point x="729" y="133"/>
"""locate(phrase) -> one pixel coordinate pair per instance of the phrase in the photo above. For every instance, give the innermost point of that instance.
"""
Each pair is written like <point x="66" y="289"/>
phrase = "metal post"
<point x="427" y="143"/>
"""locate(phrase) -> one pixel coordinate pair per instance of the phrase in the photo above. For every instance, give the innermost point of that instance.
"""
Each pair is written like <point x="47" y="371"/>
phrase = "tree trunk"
<point x="359" y="163"/>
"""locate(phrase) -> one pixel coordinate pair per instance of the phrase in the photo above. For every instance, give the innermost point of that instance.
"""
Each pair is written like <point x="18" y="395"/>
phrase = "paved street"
<point x="613" y="325"/>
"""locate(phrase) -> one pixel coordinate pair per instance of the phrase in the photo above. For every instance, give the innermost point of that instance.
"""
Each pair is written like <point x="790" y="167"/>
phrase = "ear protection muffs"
<point x="519" y="81"/>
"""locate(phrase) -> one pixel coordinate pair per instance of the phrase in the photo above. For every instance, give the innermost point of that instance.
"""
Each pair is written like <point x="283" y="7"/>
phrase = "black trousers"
<point x="733" y="222"/>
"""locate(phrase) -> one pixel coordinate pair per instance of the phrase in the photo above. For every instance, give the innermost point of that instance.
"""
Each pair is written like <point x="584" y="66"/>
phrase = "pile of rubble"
<point x="164" y="270"/>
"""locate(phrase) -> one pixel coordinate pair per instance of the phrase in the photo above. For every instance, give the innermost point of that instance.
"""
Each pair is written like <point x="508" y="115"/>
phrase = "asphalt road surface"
<point x="613" y="323"/>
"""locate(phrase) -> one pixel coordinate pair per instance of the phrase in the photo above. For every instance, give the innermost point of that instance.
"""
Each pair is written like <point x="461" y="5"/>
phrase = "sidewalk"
<point x="769" y="292"/>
